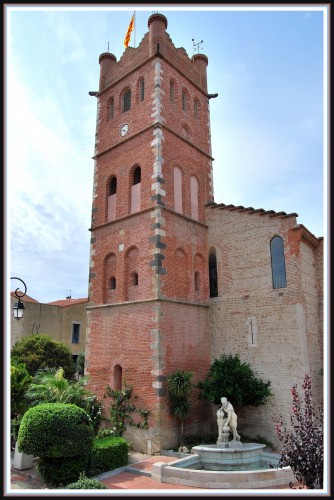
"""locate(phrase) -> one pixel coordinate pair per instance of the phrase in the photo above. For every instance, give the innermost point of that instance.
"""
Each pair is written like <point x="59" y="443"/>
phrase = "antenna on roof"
<point x="108" y="47"/>
<point x="196" y="45"/>
<point x="69" y="296"/>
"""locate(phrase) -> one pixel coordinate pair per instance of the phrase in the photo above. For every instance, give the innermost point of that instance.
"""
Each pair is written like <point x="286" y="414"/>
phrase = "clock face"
<point x="124" y="129"/>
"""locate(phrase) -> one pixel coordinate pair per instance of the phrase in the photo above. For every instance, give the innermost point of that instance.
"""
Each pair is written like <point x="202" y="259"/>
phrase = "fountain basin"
<point x="238" y="456"/>
<point x="228" y="473"/>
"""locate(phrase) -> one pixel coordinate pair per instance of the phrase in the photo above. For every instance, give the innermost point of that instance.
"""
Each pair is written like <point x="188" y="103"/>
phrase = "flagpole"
<point x="134" y="28"/>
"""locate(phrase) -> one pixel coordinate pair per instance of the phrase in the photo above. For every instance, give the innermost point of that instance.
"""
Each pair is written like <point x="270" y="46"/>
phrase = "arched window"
<point x="141" y="89"/>
<point x="197" y="280"/>
<point x="184" y="100"/>
<point x="131" y="266"/>
<point x="213" y="275"/>
<point x="171" y="91"/>
<point x="113" y="186"/>
<point x="110" y="279"/>
<point x="117" y="377"/>
<point x="278" y="262"/>
<point x="196" y="108"/>
<point x="137" y="176"/>
<point x="180" y="279"/>
<point x="111" y="109"/>
<point x="135" y="190"/>
<point x="126" y="100"/>
<point x="177" y="190"/>
<point x="194" y="197"/>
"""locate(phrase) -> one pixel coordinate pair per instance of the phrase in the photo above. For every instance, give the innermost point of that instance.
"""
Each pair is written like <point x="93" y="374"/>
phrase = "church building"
<point x="178" y="278"/>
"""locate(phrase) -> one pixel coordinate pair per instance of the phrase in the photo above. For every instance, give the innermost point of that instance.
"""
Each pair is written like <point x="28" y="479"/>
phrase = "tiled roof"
<point x="68" y="302"/>
<point x="26" y="298"/>
<point x="250" y="210"/>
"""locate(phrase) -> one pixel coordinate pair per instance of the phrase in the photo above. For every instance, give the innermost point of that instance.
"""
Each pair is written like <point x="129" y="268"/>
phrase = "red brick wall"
<point x="161" y="324"/>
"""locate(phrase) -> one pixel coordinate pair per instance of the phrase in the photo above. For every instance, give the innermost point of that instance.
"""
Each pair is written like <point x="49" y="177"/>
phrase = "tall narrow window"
<point x="171" y="91"/>
<point x="137" y="176"/>
<point x="113" y="186"/>
<point x="111" y="109"/>
<point x="75" y="333"/>
<point x="134" y="279"/>
<point x="112" y="199"/>
<point x="142" y="89"/>
<point x="135" y="190"/>
<point x="196" y="280"/>
<point x="196" y="108"/>
<point x="278" y="262"/>
<point x="184" y="101"/>
<point x="177" y="190"/>
<point x="110" y="269"/>
<point x="117" y="377"/>
<point x="213" y="275"/>
<point x="127" y="100"/>
<point x="113" y="283"/>
<point x="194" y="197"/>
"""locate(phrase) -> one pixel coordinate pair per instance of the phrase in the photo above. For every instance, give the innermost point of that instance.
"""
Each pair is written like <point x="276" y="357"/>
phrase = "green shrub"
<point x="122" y="408"/>
<point x="55" y="430"/>
<point x="19" y="383"/>
<point x="58" y="472"/>
<point x="41" y="351"/>
<point x="180" y="388"/>
<point x="107" y="454"/>
<point x="235" y="380"/>
<point x="84" y="483"/>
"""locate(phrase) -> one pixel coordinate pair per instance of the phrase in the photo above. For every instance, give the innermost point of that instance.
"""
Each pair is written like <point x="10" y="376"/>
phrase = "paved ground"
<point x="120" y="479"/>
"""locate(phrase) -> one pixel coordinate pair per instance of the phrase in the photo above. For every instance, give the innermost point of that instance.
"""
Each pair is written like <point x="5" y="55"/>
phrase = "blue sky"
<point x="268" y="130"/>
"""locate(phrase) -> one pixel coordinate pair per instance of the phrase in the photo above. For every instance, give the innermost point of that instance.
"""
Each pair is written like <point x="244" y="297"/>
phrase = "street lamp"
<point x="18" y="307"/>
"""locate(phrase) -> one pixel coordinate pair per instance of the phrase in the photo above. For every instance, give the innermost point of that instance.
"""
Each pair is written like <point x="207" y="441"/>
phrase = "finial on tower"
<point x="196" y="45"/>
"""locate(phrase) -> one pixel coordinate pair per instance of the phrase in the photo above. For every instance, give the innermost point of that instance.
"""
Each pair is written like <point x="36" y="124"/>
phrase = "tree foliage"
<point x="302" y="443"/>
<point x="51" y="386"/>
<point x="80" y="364"/>
<point x="40" y="351"/>
<point x="19" y="383"/>
<point x="235" y="380"/>
<point x="180" y="388"/>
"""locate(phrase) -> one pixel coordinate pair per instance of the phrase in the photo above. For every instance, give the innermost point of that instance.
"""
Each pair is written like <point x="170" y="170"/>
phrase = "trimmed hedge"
<point x="107" y="454"/>
<point x="84" y="483"/>
<point x="58" y="472"/>
<point x="55" y="430"/>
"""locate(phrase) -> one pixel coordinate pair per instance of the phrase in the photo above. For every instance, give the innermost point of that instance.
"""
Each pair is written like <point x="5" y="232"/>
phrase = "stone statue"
<point x="228" y="422"/>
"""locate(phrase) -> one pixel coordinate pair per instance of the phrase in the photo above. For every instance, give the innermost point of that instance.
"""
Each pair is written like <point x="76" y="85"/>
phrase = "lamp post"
<point x="18" y="307"/>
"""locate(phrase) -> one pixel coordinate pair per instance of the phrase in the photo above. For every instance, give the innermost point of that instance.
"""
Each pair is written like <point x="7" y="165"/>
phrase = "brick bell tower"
<point x="149" y="284"/>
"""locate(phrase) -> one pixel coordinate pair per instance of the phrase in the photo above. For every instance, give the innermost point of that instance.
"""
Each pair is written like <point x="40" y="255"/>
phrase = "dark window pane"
<point x="142" y="90"/>
<point x="127" y="101"/>
<point x="75" y="333"/>
<point x="213" y="276"/>
<point x="137" y="176"/>
<point x="278" y="262"/>
<point x="113" y="186"/>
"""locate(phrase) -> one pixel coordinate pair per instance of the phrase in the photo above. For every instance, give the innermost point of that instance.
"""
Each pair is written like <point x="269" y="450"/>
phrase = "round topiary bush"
<point x="55" y="430"/>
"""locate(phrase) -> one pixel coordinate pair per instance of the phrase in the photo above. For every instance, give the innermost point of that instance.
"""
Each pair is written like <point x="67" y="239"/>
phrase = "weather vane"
<point x="196" y="45"/>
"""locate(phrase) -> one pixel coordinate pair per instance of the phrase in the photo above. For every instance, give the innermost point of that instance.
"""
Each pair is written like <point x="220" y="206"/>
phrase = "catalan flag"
<point x="128" y="33"/>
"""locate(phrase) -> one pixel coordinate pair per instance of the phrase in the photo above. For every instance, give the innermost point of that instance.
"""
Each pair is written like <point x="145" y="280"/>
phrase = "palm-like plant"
<point x="51" y="386"/>
<point x="179" y="390"/>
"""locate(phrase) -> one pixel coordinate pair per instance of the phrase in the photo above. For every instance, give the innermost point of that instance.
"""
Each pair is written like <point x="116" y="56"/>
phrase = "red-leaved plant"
<point x="302" y="444"/>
